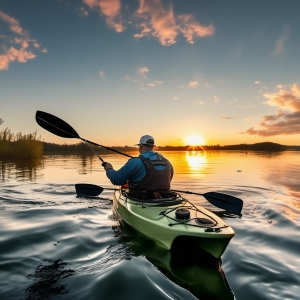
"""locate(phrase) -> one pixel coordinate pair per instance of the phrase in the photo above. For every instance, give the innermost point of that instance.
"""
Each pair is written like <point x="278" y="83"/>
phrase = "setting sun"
<point x="195" y="140"/>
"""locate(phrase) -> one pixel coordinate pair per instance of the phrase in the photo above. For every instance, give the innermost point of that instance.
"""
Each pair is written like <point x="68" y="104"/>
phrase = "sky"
<point x="226" y="72"/>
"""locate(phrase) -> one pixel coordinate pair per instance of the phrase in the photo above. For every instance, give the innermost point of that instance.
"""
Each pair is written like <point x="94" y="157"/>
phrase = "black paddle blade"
<point x="55" y="125"/>
<point x="224" y="201"/>
<point x="91" y="190"/>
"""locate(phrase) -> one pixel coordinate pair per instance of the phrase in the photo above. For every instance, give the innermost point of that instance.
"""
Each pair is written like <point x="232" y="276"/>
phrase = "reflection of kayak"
<point x="204" y="280"/>
<point x="174" y="221"/>
<point x="200" y="274"/>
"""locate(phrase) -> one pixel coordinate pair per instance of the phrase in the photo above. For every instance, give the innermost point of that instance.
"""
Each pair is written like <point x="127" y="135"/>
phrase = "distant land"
<point x="81" y="147"/>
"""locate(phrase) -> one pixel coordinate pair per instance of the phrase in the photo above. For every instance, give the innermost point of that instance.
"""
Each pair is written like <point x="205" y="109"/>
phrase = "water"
<point x="53" y="244"/>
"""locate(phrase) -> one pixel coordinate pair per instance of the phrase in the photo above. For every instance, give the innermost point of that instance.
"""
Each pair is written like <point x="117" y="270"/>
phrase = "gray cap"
<point x="146" y="140"/>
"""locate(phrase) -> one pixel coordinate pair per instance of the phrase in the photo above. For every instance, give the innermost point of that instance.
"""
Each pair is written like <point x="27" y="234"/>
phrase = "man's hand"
<point x="107" y="166"/>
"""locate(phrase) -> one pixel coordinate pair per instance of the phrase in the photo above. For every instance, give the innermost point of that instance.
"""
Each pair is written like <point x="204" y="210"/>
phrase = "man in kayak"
<point x="148" y="176"/>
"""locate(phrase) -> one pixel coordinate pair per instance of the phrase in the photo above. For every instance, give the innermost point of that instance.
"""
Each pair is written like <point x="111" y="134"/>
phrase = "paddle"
<point x="224" y="201"/>
<point x="227" y="202"/>
<point x="92" y="190"/>
<point x="60" y="128"/>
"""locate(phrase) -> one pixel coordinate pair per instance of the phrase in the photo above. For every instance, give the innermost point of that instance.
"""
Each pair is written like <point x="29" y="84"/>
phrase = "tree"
<point x="1" y="121"/>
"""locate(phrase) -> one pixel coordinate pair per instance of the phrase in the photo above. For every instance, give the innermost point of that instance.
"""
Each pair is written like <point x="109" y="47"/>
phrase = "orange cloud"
<point x="191" y="29"/>
<point x="287" y="119"/>
<point x="111" y="9"/>
<point x="152" y="19"/>
<point x="285" y="99"/>
<point x="160" y="22"/>
<point x="14" y="54"/>
<point x="165" y="26"/>
<point x="14" y="25"/>
<point x="19" y="51"/>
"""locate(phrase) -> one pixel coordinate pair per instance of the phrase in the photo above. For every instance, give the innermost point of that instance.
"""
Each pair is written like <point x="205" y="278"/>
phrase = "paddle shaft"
<point x="105" y="147"/>
<point x="223" y="201"/>
<point x="94" y="152"/>
<point x="199" y="194"/>
<point x="187" y="192"/>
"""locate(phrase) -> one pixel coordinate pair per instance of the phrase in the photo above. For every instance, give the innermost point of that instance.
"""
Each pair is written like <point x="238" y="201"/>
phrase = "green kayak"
<point x="174" y="220"/>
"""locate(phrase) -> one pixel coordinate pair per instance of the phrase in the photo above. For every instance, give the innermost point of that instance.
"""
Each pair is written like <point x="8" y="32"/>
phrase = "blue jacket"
<point x="133" y="171"/>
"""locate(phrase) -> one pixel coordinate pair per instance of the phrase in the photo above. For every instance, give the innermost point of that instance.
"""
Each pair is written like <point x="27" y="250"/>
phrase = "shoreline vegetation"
<point x="20" y="145"/>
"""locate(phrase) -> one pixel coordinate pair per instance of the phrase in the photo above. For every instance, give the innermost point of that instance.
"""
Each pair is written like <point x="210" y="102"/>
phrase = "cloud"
<point x="14" y="25"/>
<point x="152" y="19"/>
<point x="286" y="99"/>
<point x="216" y="99"/>
<point x="102" y="74"/>
<point x="279" y="47"/>
<point x="19" y="44"/>
<point x="142" y="71"/>
<point x="13" y="54"/>
<point x="233" y="101"/>
<point x="127" y="77"/>
<point x="159" y="22"/>
<point x="144" y="81"/>
<point x="111" y="10"/>
<point x="257" y="82"/>
<point x="82" y="12"/>
<point x="248" y="118"/>
<point x="226" y="118"/>
<point x="199" y="102"/>
<point x="154" y="83"/>
<point x="162" y="24"/>
<point x="287" y="119"/>
<point x="191" y="29"/>
<point x="192" y="84"/>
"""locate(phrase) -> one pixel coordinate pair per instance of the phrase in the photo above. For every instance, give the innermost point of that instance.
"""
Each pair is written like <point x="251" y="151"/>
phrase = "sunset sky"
<point x="227" y="72"/>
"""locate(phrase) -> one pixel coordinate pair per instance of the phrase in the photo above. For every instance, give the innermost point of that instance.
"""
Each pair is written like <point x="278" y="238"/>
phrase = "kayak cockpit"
<point x="173" y="199"/>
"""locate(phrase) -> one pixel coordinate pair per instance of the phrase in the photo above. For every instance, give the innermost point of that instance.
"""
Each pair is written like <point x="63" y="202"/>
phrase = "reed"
<point x="20" y="145"/>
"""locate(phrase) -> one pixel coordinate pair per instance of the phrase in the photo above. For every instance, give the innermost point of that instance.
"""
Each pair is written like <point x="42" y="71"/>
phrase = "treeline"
<point x="81" y="147"/>
<point x="265" y="146"/>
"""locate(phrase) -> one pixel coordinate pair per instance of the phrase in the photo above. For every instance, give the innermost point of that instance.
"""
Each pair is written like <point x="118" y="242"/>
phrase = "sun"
<point x="195" y="140"/>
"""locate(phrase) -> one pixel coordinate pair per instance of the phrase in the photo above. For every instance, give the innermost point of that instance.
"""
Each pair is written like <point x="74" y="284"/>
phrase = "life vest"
<point x="156" y="183"/>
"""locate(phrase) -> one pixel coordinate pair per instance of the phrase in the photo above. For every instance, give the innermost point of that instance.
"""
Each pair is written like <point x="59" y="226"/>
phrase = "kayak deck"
<point x="159" y="221"/>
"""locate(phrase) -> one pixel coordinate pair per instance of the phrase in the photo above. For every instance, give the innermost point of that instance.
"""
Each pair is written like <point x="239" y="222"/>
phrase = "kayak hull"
<point x="159" y="222"/>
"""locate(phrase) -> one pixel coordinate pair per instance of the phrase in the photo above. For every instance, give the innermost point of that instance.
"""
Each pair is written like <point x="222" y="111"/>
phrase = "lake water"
<point x="55" y="244"/>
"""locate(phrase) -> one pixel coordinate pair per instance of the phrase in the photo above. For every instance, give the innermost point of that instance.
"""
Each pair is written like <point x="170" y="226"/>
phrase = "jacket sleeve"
<point x="125" y="173"/>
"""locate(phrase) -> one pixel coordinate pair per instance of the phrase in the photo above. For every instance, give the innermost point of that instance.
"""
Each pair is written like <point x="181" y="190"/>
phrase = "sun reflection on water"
<point x="196" y="160"/>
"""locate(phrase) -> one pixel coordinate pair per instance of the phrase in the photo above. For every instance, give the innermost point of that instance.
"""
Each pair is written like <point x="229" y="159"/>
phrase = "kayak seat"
<point x="173" y="199"/>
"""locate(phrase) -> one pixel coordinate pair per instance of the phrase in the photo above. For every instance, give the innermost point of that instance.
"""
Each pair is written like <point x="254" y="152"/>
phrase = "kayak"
<point x="174" y="220"/>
